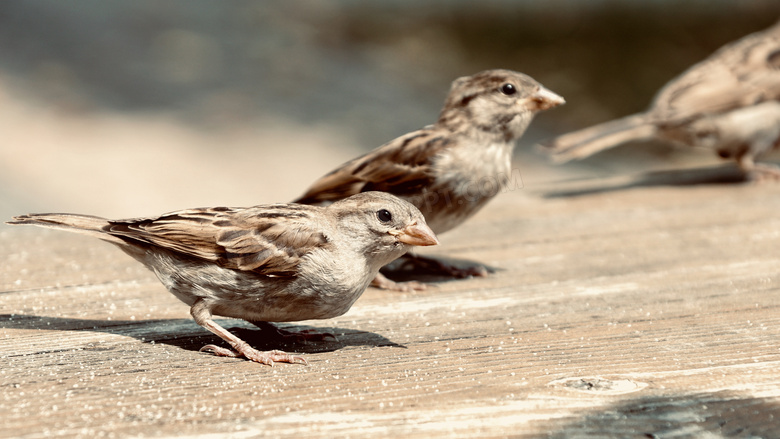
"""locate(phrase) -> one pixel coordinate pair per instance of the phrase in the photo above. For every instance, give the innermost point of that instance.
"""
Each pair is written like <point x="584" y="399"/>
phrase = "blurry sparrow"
<point x="268" y="263"/>
<point x="450" y="169"/>
<point x="728" y="102"/>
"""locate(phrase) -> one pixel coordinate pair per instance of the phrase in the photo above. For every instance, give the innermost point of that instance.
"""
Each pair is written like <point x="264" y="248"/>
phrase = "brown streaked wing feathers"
<point x="398" y="167"/>
<point x="738" y="74"/>
<point x="269" y="240"/>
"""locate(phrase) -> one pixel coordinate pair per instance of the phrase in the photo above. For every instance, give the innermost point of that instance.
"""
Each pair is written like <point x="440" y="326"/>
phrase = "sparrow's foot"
<point x="291" y="337"/>
<point x="760" y="172"/>
<point x="475" y="270"/>
<point x="383" y="283"/>
<point x="202" y="314"/>
<point x="268" y="357"/>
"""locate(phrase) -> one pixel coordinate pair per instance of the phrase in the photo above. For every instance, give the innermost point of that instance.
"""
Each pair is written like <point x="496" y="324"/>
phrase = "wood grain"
<point x="617" y="310"/>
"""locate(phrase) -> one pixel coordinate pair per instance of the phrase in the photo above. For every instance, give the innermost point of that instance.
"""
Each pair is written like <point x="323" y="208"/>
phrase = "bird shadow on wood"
<point x="684" y="177"/>
<point x="722" y="414"/>
<point x="186" y="334"/>
<point x="431" y="269"/>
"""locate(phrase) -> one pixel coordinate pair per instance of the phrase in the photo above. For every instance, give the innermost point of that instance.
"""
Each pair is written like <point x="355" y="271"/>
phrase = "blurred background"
<point x="123" y="109"/>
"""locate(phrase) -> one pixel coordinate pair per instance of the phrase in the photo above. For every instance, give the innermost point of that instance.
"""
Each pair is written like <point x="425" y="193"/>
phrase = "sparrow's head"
<point x="382" y="225"/>
<point x="495" y="102"/>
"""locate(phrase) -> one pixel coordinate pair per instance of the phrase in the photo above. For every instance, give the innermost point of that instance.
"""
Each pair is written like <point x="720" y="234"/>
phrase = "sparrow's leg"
<point x="201" y="312"/>
<point x="758" y="171"/>
<point x="383" y="283"/>
<point x="286" y="336"/>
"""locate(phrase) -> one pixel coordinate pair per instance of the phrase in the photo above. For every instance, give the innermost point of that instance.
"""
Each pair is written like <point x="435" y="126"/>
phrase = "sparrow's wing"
<point x="741" y="73"/>
<point x="402" y="166"/>
<point x="269" y="240"/>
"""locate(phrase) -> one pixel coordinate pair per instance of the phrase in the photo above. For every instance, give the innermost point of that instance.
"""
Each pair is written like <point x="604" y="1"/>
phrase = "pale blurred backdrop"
<point x="120" y="109"/>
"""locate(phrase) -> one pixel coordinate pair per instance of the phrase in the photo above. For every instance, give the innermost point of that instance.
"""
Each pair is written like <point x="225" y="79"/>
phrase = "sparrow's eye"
<point x="384" y="215"/>
<point x="508" y="89"/>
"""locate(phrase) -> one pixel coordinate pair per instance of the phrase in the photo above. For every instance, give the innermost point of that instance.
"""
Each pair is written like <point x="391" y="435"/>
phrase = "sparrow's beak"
<point x="544" y="99"/>
<point x="416" y="234"/>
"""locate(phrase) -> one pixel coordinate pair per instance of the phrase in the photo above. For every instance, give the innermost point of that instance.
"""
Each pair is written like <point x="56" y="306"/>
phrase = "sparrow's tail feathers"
<point x="84" y="224"/>
<point x="588" y="141"/>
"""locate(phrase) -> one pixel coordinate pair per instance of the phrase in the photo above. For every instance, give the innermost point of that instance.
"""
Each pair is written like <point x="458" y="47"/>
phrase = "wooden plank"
<point x="647" y="311"/>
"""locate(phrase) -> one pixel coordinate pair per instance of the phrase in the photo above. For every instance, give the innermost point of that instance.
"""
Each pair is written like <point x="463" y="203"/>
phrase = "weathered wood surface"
<point x="617" y="310"/>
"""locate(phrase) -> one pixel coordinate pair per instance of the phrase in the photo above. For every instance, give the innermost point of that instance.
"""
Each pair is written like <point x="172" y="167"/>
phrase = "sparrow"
<point x="728" y="103"/>
<point x="442" y="168"/>
<point x="267" y="263"/>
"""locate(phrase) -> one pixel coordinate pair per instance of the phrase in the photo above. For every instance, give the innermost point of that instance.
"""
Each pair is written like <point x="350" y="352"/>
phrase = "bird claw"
<point x="267" y="358"/>
<point x="762" y="172"/>
<point x="218" y="351"/>
<point x="458" y="272"/>
<point x="383" y="283"/>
